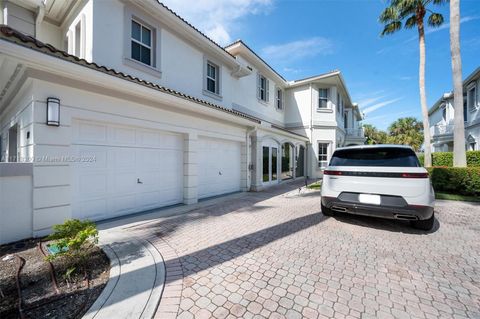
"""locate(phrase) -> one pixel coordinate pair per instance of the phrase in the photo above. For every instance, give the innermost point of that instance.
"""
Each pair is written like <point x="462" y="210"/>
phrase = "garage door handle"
<point x="139" y="181"/>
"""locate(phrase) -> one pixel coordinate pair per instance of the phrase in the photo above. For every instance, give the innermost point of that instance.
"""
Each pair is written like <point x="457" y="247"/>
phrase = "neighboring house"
<point x="130" y="108"/>
<point x="441" y="116"/>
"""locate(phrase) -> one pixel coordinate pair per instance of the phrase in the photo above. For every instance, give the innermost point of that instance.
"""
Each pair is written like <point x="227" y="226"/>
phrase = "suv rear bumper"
<point x="403" y="212"/>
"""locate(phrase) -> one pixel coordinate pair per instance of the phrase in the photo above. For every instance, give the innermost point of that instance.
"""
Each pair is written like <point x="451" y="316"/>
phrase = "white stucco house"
<point x="109" y="108"/>
<point x="441" y="116"/>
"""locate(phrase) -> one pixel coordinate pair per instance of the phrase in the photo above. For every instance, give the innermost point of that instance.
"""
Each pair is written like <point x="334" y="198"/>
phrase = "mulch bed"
<point x="40" y="299"/>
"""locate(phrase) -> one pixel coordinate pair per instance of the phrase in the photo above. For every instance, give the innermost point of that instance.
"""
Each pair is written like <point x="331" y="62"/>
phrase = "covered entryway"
<point x="121" y="169"/>
<point x="219" y="170"/>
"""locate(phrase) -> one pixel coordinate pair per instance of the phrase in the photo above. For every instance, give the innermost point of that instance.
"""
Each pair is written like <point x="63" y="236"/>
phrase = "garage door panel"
<point x="90" y="132"/>
<point x="122" y="136"/>
<point x="93" y="209"/>
<point x="123" y="204"/>
<point x="108" y="187"/>
<point x="94" y="185"/>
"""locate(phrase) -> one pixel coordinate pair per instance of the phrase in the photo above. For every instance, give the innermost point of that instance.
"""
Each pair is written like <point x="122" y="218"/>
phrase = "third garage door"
<point x="219" y="170"/>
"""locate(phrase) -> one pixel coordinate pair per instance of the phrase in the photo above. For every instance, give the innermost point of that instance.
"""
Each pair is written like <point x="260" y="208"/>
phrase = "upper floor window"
<point x="212" y="78"/>
<point x="141" y="43"/>
<point x="279" y="99"/>
<point x="444" y="113"/>
<point x="262" y="88"/>
<point x="472" y="98"/>
<point x="465" y="109"/>
<point x="323" y="155"/>
<point x="322" y="98"/>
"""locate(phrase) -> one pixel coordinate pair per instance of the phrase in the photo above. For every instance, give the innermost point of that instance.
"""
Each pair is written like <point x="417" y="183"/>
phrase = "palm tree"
<point x="406" y="131"/>
<point x="459" y="156"/>
<point x="414" y="12"/>
<point x="374" y="136"/>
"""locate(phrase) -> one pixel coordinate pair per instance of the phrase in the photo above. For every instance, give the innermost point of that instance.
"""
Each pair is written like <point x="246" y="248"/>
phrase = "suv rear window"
<point x="382" y="156"/>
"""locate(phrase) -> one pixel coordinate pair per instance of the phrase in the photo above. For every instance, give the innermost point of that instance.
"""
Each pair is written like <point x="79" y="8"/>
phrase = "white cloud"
<point x="379" y="105"/>
<point x="368" y="101"/>
<point x="298" y="49"/>
<point x="218" y="18"/>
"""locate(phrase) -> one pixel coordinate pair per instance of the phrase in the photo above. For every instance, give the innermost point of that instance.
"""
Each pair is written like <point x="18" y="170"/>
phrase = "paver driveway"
<point x="273" y="254"/>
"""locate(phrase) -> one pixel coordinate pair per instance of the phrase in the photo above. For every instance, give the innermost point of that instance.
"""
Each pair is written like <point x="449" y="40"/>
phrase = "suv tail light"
<point x="329" y="172"/>
<point x="415" y="175"/>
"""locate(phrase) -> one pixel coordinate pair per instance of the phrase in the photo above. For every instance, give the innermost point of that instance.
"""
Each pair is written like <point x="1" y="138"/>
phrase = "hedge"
<point x="456" y="180"/>
<point x="446" y="159"/>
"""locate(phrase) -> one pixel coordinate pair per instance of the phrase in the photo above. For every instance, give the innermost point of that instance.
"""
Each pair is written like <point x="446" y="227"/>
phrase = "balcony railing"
<point x="441" y="129"/>
<point x="355" y="132"/>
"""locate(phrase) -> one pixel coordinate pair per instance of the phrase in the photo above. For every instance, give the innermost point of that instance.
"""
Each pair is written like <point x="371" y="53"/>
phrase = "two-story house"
<point x="441" y="116"/>
<point x="129" y="107"/>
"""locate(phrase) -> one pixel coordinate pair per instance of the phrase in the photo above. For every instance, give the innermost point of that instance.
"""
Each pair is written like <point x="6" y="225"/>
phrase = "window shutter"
<point x="258" y="86"/>
<point x="267" y="90"/>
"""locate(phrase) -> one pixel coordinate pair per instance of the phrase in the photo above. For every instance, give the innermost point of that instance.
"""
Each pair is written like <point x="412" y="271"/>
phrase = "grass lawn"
<point x="457" y="197"/>
<point x="316" y="185"/>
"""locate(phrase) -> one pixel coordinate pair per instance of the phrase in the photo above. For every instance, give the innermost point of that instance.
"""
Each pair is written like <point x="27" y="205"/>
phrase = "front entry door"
<point x="270" y="165"/>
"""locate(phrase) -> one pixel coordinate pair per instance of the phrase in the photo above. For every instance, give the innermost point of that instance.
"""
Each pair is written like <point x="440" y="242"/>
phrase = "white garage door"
<point x="218" y="167"/>
<point x="135" y="169"/>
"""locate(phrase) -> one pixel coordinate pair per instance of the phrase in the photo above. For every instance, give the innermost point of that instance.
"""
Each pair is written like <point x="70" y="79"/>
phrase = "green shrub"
<point x="473" y="158"/>
<point x="446" y="159"/>
<point x="456" y="180"/>
<point x="73" y="240"/>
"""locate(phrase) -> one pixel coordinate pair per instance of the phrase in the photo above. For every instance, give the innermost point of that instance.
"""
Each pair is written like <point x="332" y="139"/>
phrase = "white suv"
<point x="384" y="181"/>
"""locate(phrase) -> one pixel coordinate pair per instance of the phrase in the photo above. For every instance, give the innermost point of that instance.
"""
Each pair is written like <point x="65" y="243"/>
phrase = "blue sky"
<point x="304" y="38"/>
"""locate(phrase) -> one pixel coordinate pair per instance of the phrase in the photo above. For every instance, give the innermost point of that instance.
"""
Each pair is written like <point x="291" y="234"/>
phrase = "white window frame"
<point x="323" y="162"/>
<point x="474" y="107"/>
<point x="131" y="13"/>
<point x="323" y="98"/>
<point x="263" y="90"/>
<point x="218" y="72"/>
<point x="279" y="98"/>
<point x="149" y="47"/>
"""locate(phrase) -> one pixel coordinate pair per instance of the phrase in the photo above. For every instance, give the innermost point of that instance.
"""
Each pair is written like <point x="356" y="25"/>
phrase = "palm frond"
<point x="435" y="20"/>
<point x="411" y="22"/>
<point x="388" y="15"/>
<point x="440" y="2"/>
<point x="391" y="27"/>
<point x="406" y="7"/>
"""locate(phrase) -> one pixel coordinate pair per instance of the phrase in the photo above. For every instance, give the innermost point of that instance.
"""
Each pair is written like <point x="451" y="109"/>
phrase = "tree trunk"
<point x="459" y="156"/>
<point x="423" y="95"/>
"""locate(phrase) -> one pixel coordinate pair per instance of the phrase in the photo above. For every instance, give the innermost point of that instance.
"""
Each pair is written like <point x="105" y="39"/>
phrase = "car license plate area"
<point x="369" y="199"/>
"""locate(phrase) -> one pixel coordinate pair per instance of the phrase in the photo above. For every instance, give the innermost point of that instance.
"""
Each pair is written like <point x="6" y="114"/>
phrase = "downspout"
<point x="309" y="159"/>
<point x="39" y="18"/>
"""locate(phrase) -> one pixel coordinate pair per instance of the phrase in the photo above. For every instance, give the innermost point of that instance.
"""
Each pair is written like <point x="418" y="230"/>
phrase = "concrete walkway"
<point x="136" y="281"/>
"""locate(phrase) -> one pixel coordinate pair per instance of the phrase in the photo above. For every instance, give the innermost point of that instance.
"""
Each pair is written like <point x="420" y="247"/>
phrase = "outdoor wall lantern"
<point x="53" y="111"/>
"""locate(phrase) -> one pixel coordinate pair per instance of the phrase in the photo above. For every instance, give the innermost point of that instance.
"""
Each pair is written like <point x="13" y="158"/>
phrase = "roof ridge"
<point x="9" y="34"/>
<point x="194" y="28"/>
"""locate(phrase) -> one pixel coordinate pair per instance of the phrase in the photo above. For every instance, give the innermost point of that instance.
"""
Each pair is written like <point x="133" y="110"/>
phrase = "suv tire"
<point x="426" y="224"/>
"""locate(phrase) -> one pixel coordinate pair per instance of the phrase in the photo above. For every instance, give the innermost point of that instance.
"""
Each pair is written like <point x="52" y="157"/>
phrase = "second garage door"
<point x="219" y="170"/>
<point x="135" y="169"/>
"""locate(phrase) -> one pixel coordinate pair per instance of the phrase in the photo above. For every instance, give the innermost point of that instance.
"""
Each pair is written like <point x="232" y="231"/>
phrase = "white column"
<point x="190" y="167"/>
<point x="244" y="166"/>
<point x="257" y="164"/>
